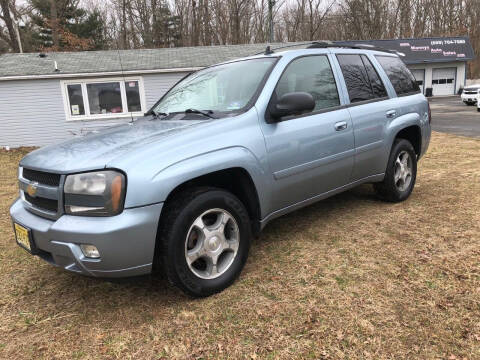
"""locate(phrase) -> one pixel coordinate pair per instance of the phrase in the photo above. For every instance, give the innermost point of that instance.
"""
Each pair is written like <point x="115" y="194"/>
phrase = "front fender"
<point x="157" y="187"/>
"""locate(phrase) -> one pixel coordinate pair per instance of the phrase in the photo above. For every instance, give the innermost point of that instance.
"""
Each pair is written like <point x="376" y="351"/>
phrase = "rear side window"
<point x="378" y="88"/>
<point x="311" y="74"/>
<point x="402" y="79"/>
<point x="361" y="78"/>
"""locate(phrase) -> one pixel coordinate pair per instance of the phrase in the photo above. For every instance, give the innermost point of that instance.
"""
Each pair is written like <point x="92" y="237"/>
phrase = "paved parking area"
<point x="451" y="115"/>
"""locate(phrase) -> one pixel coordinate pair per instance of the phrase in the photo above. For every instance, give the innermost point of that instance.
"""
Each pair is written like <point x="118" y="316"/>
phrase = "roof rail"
<point x="269" y="49"/>
<point x="353" y="45"/>
<point x="322" y="44"/>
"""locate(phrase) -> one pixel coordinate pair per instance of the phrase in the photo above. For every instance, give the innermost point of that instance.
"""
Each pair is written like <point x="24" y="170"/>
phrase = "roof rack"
<point x="269" y="49"/>
<point x="352" y="45"/>
<point x="329" y="44"/>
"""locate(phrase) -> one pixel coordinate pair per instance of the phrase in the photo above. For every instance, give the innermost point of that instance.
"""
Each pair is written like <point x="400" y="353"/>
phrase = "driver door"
<point x="313" y="153"/>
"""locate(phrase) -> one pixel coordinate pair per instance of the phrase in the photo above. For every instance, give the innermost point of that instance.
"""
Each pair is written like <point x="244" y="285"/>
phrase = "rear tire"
<point x="204" y="239"/>
<point x="401" y="173"/>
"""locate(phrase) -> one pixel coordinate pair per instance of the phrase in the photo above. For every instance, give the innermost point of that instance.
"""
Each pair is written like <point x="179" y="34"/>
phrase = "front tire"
<point x="204" y="240"/>
<point x="401" y="173"/>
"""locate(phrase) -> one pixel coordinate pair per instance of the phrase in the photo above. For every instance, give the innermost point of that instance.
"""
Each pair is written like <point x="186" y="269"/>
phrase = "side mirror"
<point x="292" y="104"/>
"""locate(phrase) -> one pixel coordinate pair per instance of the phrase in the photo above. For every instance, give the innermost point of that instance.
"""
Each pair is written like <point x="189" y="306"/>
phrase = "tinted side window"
<point x="356" y="78"/>
<point x="402" y="79"/>
<point x="376" y="83"/>
<point x="311" y="74"/>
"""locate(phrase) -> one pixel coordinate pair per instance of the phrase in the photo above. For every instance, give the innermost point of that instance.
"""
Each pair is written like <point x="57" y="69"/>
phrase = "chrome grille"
<point x="42" y="203"/>
<point x="42" y="177"/>
<point x="41" y="192"/>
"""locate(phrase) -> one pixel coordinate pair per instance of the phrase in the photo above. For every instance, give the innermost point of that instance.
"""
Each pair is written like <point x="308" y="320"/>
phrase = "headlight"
<point x="99" y="193"/>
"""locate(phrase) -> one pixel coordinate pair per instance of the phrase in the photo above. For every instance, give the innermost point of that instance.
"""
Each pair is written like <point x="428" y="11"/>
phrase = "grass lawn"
<point x="348" y="278"/>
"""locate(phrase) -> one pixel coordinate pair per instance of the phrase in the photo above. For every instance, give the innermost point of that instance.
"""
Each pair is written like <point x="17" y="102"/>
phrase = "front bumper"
<point x="469" y="99"/>
<point x="126" y="242"/>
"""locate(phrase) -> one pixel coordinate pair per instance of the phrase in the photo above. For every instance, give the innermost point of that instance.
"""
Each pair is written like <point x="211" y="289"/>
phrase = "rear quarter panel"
<point x="412" y="110"/>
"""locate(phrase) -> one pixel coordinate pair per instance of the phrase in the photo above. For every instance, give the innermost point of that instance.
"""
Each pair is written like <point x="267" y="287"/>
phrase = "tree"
<point x="90" y="25"/>
<point x="65" y="25"/>
<point x="62" y="25"/>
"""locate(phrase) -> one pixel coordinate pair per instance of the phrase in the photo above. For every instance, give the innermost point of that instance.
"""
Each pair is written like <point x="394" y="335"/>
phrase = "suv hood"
<point x="96" y="150"/>
<point x="472" y="87"/>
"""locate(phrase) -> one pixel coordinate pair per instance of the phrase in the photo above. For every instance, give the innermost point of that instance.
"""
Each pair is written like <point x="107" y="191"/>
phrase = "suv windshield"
<point x="222" y="88"/>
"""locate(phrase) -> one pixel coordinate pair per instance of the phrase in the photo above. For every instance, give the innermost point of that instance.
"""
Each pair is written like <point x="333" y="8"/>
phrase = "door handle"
<point x="391" y="114"/>
<point x="341" y="125"/>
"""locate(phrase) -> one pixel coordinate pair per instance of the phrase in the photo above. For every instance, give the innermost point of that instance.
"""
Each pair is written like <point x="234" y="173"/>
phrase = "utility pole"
<point x="54" y="23"/>
<point x="271" y="4"/>
<point x="124" y="24"/>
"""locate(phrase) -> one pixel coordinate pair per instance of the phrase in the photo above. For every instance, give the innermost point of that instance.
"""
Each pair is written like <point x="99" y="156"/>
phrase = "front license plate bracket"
<point x="23" y="237"/>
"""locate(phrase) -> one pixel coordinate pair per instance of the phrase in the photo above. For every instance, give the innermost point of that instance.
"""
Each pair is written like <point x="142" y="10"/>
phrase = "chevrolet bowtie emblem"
<point x="32" y="189"/>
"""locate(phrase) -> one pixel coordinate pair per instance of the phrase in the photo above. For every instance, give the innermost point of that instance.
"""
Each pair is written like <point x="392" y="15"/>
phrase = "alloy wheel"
<point x="212" y="243"/>
<point x="403" y="171"/>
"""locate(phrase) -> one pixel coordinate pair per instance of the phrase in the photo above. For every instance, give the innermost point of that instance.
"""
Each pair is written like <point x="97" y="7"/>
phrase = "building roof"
<point x="91" y="63"/>
<point x="140" y="60"/>
<point x="427" y="50"/>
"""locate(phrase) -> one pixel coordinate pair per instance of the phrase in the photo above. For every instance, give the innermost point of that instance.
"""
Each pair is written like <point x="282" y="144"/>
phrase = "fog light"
<point x="90" y="251"/>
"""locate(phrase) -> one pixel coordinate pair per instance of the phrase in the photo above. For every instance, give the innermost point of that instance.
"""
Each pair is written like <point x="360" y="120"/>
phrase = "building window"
<point x="133" y="96"/>
<point x="103" y="98"/>
<point x="75" y="98"/>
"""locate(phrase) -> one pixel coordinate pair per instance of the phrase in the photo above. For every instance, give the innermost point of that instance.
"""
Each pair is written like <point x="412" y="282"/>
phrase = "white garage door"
<point x="419" y="75"/>
<point x="443" y="81"/>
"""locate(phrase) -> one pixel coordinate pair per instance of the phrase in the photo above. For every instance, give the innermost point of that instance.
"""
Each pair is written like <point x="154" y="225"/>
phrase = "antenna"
<point x="124" y="80"/>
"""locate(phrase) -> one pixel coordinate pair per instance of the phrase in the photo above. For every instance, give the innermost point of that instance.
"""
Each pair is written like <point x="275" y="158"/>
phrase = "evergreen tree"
<point x="166" y="27"/>
<point x="61" y="25"/>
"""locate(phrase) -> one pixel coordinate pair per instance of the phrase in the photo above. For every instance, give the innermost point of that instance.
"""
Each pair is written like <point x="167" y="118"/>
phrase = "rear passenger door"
<point x="311" y="153"/>
<point x="370" y="109"/>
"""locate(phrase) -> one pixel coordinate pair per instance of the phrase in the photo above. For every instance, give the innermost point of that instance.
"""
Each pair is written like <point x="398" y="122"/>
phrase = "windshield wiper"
<point x="157" y="115"/>
<point x="207" y="113"/>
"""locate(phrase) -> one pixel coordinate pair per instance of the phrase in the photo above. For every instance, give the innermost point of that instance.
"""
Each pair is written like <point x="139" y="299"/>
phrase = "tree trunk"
<point x="10" y="26"/>
<point x="195" y="27"/>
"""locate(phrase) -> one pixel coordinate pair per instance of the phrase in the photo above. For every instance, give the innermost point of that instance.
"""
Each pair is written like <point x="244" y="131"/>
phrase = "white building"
<point x="47" y="98"/>
<point x="438" y="64"/>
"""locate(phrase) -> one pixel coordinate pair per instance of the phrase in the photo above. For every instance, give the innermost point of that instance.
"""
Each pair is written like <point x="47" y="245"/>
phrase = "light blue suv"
<point x="226" y="150"/>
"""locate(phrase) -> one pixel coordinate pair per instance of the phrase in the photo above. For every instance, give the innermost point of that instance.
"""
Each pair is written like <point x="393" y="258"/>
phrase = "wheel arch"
<point x="236" y="180"/>
<point x="413" y="134"/>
